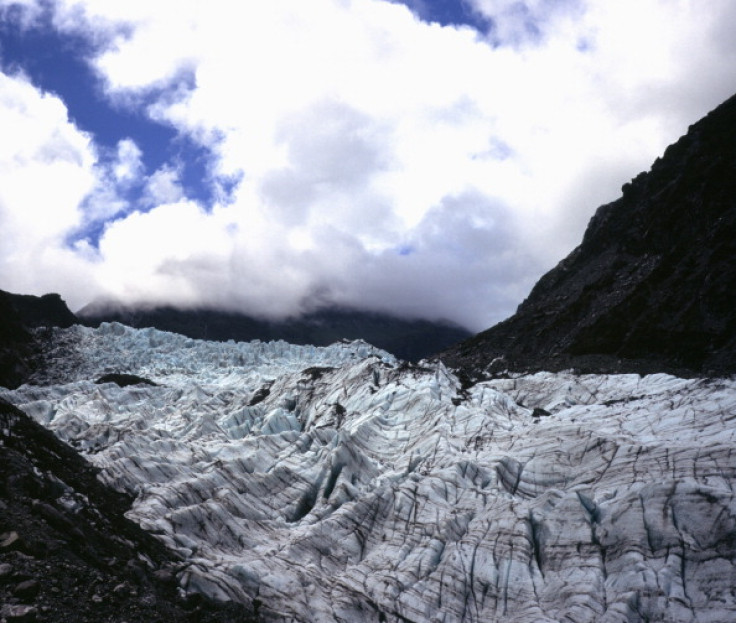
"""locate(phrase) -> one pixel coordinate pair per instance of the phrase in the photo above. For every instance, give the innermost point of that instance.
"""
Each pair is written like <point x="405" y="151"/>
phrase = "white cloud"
<point x="116" y="172"/>
<point x="520" y="22"/>
<point x="46" y="167"/>
<point x="164" y="186"/>
<point x="148" y="269"/>
<point x="128" y="166"/>
<point x="381" y="161"/>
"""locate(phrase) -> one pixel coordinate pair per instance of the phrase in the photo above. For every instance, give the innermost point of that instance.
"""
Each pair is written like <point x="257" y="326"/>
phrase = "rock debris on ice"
<point x="338" y="484"/>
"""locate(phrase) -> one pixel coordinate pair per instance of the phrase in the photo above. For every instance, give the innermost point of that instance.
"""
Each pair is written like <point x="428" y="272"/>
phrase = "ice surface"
<point x="337" y="484"/>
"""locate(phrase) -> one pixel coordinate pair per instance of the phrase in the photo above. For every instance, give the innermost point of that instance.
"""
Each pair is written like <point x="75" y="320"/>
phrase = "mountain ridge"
<point x="650" y="287"/>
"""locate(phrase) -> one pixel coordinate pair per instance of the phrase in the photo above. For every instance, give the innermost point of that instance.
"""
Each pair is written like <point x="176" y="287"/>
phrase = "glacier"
<point x="339" y="484"/>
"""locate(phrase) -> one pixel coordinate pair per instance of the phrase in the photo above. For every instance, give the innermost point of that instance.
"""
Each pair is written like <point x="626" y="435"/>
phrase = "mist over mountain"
<point x="651" y="286"/>
<point x="408" y="339"/>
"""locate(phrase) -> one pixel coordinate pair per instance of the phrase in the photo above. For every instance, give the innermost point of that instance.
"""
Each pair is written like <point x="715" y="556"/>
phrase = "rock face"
<point x="411" y="340"/>
<point x="48" y="310"/>
<point x="19" y="313"/>
<point x="15" y="345"/>
<point x="651" y="287"/>
<point x="341" y="485"/>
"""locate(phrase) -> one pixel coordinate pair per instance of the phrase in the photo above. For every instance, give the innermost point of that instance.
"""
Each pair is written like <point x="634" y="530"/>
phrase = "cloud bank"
<point x="355" y="154"/>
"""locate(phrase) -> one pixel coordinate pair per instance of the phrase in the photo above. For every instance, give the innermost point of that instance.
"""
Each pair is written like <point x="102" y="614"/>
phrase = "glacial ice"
<point x="339" y="484"/>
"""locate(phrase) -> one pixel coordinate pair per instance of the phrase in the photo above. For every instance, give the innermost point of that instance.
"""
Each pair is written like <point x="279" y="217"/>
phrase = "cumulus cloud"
<point x="46" y="167"/>
<point x="164" y="186"/>
<point x="116" y="172"/>
<point x="358" y="155"/>
<point x="521" y="22"/>
<point x="128" y="166"/>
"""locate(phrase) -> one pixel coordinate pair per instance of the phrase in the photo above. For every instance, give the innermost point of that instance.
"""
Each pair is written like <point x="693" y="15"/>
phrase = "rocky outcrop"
<point x="18" y="344"/>
<point x="408" y="339"/>
<point x="48" y="310"/>
<point x="123" y="380"/>
<point x="651" y="286"/>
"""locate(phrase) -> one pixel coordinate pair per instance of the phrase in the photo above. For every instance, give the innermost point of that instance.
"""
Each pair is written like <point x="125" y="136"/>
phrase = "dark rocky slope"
<point x="411" y="340"/>
<point x="15" y="345"/>
<point x="18" y="314"/>
<point x="68" y="554"/>
<point x="651" y="288"/>
<point x="48" y="310"/>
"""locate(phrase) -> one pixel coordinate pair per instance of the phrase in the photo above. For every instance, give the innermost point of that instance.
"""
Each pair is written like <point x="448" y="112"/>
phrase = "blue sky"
<point x="58" y="63"/>
<point x="448" y="13"/>
<point x="424" y="158"/>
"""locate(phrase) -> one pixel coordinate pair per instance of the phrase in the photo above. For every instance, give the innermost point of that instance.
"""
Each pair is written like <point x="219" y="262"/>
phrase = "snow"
<point x="338" y="484"/>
